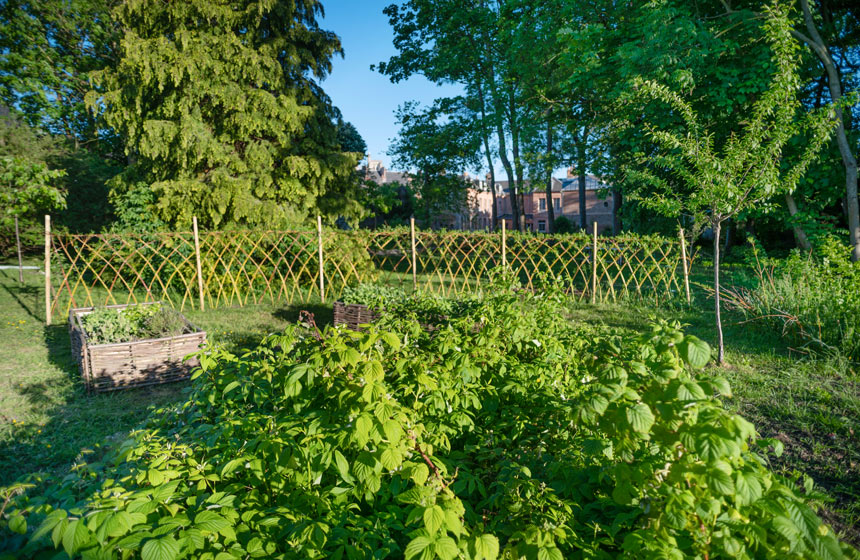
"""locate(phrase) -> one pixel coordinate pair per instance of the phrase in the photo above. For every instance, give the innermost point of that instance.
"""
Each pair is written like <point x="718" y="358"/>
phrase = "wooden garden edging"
<point x="109" y="367"/>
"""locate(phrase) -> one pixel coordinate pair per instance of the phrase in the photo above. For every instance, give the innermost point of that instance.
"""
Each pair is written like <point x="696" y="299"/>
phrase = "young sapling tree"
<point x="748" y="169"/>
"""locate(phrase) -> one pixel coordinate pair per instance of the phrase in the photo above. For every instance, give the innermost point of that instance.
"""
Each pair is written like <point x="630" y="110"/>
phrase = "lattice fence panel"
<point x="248" y="267"/>
<point x="122" y="268"/>
<point x="455" y="263"/>
<point x="565" y="256"/>
<point x="638" y="266"/>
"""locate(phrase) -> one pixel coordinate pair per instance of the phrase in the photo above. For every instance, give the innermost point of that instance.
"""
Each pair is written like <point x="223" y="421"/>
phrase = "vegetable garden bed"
<point x="353" y="314"/>
<point x="135" y="363"/>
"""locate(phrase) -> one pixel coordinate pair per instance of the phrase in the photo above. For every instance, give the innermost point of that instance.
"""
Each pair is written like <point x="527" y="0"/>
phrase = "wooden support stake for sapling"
<point x="18" y="244"/>
<point x="47" y="269"/>
<point x="504" y="246"/>
<point x="414" y="255"/>
<point x="684" y="263"/>
<point x="320" y="245"/>
<point x="594" y="266"/>
<point x="199" y="267"/>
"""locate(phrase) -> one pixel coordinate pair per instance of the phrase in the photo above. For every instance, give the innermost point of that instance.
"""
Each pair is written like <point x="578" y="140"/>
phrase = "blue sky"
<point x="368" y="99"/>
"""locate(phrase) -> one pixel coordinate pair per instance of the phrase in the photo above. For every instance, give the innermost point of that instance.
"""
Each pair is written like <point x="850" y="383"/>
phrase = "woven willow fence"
<point x="238" y="268"/>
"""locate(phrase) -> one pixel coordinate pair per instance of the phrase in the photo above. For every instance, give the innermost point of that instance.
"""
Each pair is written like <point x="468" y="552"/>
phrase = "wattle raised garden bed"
<point x="353" y="314"/>
<point x="121" y="365"/>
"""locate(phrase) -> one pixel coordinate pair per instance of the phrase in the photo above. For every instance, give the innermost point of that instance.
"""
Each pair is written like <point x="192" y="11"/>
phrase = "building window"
<point x="556" y="203"/>
<point x="543" y="205"/>
<point x="542" y="224"/>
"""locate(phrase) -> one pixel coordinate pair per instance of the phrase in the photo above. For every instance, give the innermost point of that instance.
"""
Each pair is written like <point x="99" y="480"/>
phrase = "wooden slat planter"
<point x="353" y="314"/>
<point x="109" y="367"/>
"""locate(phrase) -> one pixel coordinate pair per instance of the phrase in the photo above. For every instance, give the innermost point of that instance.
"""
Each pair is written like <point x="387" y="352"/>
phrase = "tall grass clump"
<point x="813" y="299"/>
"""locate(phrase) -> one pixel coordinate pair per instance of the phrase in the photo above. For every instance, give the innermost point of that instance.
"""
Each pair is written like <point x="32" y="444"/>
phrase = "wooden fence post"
<point x="504" y="246"/>
<point x="47" y="269"/>
<point x="20" y="262"/>
<point x="320" y="244"/>
<point x="594" y="265"/>
<point x="684" y="263"/>
<point x="199" y="267"/>
<point x="414" y="256"/>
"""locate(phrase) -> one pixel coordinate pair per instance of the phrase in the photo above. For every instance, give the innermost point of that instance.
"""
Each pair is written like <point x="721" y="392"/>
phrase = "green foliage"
<point x="523" y="438"/>
<point x="564" y="225"/>
<point x="28" y="189"/>
<point x="219" y="107"/>
<point x="811" y="299"/>
<point x="108" y="325"/>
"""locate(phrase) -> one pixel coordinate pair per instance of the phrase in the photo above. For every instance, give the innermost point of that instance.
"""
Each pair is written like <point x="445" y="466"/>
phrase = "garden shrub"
<point x="812" y="299"/>
<point x="528" y="437"/>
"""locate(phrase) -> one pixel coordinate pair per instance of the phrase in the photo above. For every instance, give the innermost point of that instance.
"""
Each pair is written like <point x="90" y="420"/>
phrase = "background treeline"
<point x="138" y="115"/>
<point x="152" y="112"/>
<point x="557" y="83"/>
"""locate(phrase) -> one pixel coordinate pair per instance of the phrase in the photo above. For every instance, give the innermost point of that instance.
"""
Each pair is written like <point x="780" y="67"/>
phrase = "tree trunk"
<point x="580" y="169"/>
<point x="799" y="235"/>
<point x="720" y="346"/>
<point x="515" y="149"/>
<point x="616" y="212"/>
<point x="550" y="211"/>
<point x="820" y="48"/>
<point x="485" y="136"/>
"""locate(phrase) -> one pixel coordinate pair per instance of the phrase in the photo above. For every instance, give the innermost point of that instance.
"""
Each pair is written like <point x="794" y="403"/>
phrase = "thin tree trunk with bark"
<point x="799" y="235"/>
<point x="550" y="211"/>
<point x="820" y="48"/>
<point x="485" y="137"/>
<point x="515" y="149"/>
<point x="580" y="169"/>
<point x="616" y="211"/>
<point x="721" y="350"/>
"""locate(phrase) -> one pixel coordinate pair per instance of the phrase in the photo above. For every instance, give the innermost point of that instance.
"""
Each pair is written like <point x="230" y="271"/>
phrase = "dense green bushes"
<point x="525" y="438"/>
<point x="814" y="299"/>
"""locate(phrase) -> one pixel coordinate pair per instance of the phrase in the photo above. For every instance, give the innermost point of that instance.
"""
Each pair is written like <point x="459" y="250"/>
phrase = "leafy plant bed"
<point x="532" y="438"/>
<point x="366" y="303"/>
<point x="123" y="346"/>
<point x="353" y="314"/>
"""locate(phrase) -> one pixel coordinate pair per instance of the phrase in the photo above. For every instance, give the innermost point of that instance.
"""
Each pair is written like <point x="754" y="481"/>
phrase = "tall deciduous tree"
<point x="221" y="112"/>
<point x="748" y="168"/>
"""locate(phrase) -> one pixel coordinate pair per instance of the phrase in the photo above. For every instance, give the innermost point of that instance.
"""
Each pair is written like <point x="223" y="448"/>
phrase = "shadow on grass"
<point x="75" y="420"/>
<point x="22" y="292"/>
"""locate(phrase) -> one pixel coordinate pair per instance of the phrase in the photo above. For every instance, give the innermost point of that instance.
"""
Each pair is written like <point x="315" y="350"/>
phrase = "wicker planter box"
<point x="109" y="367"/>
<point x="353" y="314"/>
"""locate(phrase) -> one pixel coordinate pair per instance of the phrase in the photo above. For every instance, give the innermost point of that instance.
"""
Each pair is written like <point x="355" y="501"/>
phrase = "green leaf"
<point x="640" y="417"/>
<point x="18" y="524"/>
<point x="391" y="459"/>
<point x="747" y="488"/>
<point x="230" y="386"/>
<point x="434" y="517"/>
<point x="719" y="478"/>
<point x="417" y="546"/>
<point x="486" y="547"/>
<point x="208" y="520"/>
<point x="164" y="548"/>
<point x="75" y="536"/>
<point x="446" y="548"/>
<point x="342" y="467"/>
<point x="694" y="351"/>
<point x="549" y="553"/>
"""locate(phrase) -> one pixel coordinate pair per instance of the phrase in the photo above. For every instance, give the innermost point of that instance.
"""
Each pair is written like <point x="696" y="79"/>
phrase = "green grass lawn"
<point x="46" y="418"/>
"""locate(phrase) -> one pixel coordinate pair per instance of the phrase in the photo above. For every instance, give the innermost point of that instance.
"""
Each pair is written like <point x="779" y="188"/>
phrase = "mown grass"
<point x="46" y="418"/>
